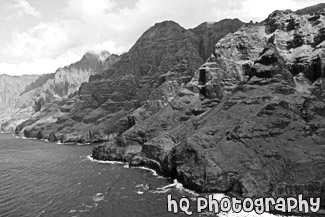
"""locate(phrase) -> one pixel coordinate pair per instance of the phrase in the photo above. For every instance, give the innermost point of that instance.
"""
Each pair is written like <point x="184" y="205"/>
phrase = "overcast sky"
<point x="38" y="36"/>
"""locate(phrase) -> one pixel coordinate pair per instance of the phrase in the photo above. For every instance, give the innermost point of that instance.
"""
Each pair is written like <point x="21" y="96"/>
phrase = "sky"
<point x="39" y="36"/>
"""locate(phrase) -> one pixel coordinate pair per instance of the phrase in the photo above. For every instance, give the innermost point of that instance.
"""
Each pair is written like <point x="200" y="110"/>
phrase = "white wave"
<point x="179" y="186"/>
<point x="68" y="143"/>
<point x="23" y="137"/>
<point x="160" y="191"/>
<point x="98" y="197"/>
<point x="144" y="187"/>
<point x="246" y="214"/>
<point x="30" y="138"/>
<point x="81" y="144"/>
<point x="167" y="186"/>
<point x="146" y="168"/>
<point x="89" y="157"/>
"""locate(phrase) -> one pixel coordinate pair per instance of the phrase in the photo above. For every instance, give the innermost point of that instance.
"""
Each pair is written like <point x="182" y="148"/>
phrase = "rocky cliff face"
<point x="250" y="122"/>
<point x="141" y="83"/>
<point x="10" y="88"/>
<point x="210" y="33"/>
<point x="56" y="86"/>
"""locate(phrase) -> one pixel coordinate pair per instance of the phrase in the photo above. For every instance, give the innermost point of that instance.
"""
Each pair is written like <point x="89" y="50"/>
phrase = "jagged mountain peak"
<point x="166" y="24"/>
<point x="99" y="55"/>
<point x="165" y="29"/>
<point x="211" y="32"/>
<point x="219" y="23"/>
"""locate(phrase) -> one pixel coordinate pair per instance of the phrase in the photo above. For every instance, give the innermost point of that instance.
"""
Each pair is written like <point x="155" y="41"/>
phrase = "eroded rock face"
<point x="250" y="122"/>
<point x="210" y="33"/>
<point x="10" y="88"/>
<point x="230" y="62"/>
<point x="145" y="80"/>
<point x="44" y="93"/>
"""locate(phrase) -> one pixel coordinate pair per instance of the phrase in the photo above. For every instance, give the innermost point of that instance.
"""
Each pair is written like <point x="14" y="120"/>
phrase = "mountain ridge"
<point x="63" y="82"/>
<point x="165" y="53"/>
<point x="248" y="121"/>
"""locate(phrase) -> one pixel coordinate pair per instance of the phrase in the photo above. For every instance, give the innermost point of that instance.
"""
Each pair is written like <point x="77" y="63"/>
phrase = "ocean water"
<point x="39" y="179"/>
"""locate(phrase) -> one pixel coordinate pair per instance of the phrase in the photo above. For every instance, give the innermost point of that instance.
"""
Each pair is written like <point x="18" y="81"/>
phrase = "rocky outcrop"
<point x="10" y="88"/>
<point x="230" y="62"/>
<point x="210" y="33"/>
<point x="250" y="122"/>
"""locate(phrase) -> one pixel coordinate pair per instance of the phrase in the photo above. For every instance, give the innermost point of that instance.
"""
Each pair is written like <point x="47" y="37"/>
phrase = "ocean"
<point x="39" y="179"/>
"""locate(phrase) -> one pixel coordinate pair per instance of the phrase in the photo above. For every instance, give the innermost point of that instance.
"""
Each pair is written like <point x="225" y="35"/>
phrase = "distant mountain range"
<point x="32" y="92"/>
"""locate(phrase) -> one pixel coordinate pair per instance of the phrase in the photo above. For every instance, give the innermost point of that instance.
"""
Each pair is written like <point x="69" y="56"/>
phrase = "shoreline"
<point x="156" y="168"/>
<point x="179" y="185"/>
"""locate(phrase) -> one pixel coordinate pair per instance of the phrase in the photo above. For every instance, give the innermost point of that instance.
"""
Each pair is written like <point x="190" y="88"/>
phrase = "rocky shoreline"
<point x="258" y="135"/>
<point x="249" y="122"/>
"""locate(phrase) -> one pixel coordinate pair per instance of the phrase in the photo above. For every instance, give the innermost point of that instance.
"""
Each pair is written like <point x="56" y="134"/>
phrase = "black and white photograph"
<point x="162" y="108"/>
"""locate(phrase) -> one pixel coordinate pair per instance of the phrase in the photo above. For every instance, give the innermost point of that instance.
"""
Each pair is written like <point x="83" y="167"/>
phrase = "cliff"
<point x="210" y="33"/>
<point x="142" y="82"/>
<point x="10" y="88"/>
<point x="250" y="123"/>
<point x="247" y="121"/>
<point x="56" y="86"/>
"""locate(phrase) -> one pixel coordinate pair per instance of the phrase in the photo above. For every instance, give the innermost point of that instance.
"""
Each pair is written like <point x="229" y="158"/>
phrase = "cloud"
<point x="23" y="7"/>
<point x="39" y="65"/>
<point x="42" y="40"/>
<point x="258" y="10"/>
<point x="89" y="8"/>
<point x="104" y="25"/>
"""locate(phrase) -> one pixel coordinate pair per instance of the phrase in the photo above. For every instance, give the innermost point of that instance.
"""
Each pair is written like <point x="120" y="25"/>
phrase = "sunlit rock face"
<point x="56" y="86"/>
<point x="10" y="88"/>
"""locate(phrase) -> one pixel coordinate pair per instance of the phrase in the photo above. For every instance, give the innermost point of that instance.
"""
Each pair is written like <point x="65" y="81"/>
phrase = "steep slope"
<point x="210" y="33"/>
<point x="47" y="88"/>
<point x="251" y="121"/>
<point x="10" y="88"/>
<point x="165" y="50"/>
<point x="311" y="9"/>
<point x="145" y="80"/>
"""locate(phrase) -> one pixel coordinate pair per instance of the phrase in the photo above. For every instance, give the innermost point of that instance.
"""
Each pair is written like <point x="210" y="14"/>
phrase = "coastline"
<point x="157" y="170"/>
<point x="156" y="166"/>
